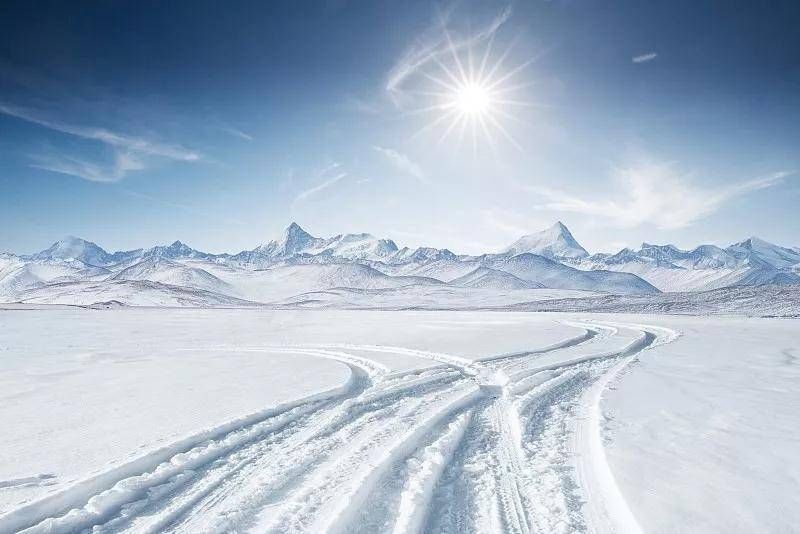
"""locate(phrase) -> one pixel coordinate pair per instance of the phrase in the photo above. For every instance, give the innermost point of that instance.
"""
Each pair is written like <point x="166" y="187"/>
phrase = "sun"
<point x="473" y="99"/>
<point x="470" y="94"/>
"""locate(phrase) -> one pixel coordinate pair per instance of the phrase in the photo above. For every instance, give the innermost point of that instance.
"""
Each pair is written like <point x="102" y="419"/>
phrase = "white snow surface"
<point x="253" y="420"/>
<point x="702" y="433"/>
<point x="106" y="384"/>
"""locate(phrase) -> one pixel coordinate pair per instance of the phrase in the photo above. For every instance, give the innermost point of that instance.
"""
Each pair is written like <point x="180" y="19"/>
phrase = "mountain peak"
<point x="72" y="240"/>
<point x="757" y="250"/>
<point x="295" y="235"/>
<point x="294" y="229"/>
<point x="176" y="250"/>
<point x="755" y="241"/>
<point x="293" y="241"/>
<point x="295" y="238"/>
<point x="670" y="246"/>
<point x="553" y="242"/>
<point x="74" y="248"/>
<point x="556" y="229"/>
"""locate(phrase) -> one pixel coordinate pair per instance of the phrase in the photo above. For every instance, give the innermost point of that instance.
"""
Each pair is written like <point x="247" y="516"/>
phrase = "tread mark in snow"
<point x="486" y="443"/>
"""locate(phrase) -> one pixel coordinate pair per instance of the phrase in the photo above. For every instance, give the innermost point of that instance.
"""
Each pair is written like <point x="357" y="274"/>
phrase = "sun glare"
<point x="472" y="94"/>
<point x="473" y="99"/>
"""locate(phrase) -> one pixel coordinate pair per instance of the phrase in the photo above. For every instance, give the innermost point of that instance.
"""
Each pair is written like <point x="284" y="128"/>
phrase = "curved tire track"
<point x="460" y="437"/>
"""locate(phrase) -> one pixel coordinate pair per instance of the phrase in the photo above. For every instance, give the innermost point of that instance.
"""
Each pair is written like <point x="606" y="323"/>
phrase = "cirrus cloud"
<point x="655" y="194"/>
<point x="330" y="175"/>
<point x="403" y="163"/>
<point x="434" y="44"/>
<point x="129" y="151"/>
<point x="82" y="168"/>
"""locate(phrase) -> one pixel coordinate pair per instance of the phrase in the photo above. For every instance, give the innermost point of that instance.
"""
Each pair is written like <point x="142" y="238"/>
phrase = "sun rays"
<point x="469" y="95"/>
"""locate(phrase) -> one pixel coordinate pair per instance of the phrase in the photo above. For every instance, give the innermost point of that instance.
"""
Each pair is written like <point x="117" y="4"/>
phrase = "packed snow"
<point x="255" y="420"/>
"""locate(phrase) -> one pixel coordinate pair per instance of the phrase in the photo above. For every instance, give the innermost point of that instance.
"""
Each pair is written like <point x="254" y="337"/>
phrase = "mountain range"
<point x="298" y="267"/>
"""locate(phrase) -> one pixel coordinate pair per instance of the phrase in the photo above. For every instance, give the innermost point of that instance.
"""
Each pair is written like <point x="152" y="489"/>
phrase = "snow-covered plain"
<point x="704" y="432"/>
<point x="197" y="420"/>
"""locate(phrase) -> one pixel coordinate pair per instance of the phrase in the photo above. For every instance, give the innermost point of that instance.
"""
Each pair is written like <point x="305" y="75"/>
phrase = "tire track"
<point x="96" y="498"/>
<point x="321" y="447"/>
<point x="345" y="412"/>
<point x="486" y="443"/>
<point x="524" y="439"/>
<point x="606" y="509"/>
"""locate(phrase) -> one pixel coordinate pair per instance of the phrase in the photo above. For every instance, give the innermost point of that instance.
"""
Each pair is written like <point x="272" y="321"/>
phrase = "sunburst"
<point x="469" y="98"/>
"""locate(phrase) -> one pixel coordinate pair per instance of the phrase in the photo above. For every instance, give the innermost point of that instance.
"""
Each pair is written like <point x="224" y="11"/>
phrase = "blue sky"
<point x="132" y="124"/>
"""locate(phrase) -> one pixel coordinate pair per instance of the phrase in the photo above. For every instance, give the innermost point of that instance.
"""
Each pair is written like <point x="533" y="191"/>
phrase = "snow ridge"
<point x="299" y="268"/>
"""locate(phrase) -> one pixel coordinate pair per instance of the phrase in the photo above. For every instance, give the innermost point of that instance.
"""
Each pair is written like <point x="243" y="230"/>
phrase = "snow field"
<point x="106" y="386"/>
<point x="701" y="434"/>
<point x="466" y="422"/>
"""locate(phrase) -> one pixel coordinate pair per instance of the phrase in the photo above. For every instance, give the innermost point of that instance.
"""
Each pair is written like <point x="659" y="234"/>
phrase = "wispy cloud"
<point x="330" y="176"/>
<point x="435" y="44"/>
<point x="237" y="133"/>
<point x="657" y="195"/>
<point x="508" y="222"/>
<point x="129" y="150"/>
<point x="403" y="163"/>
<point x="644" y="58"/>
<point x="102" y="135"/>
<point x="81" y="168"/>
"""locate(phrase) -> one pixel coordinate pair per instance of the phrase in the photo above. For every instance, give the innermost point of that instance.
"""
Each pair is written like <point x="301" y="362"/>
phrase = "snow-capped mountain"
<point x="552" y="274"/>
<point x="555" y="242"/>
<point x="296" y="241"/>
<point x="421" y="255"/>
<point x="166" y="271"/>
<point x="9" y="262"/>
<point x="702" y="257"/>
<point x="74" y="248"/>
<point x="757" y="251"/>
<point x="359" y="247"/>
<point x="175" y="251"/>
<point x="16" y="277"/>
<point x="751" y="262"/>
<point x="317" y="269"/>
<point x="485" y="277"/>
